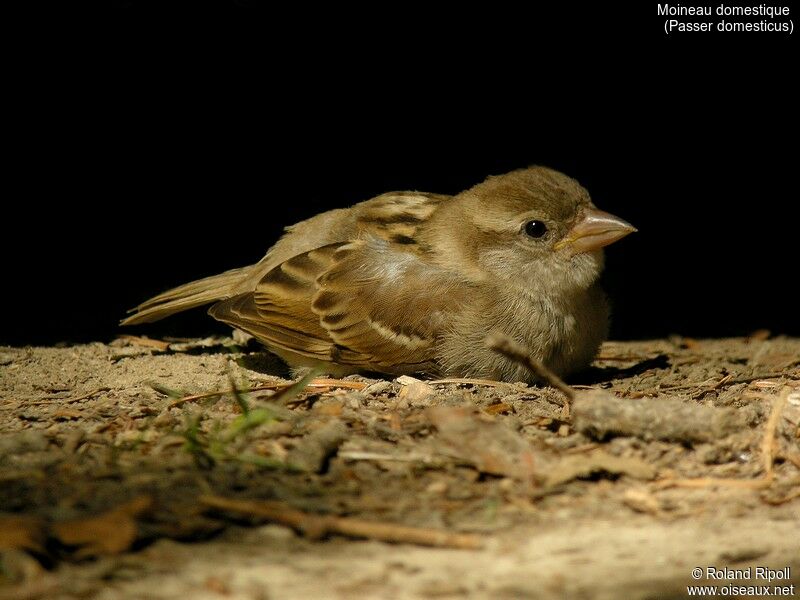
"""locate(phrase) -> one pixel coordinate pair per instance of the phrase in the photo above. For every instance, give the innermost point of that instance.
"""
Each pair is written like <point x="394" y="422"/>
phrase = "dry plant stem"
<point x="459" y="381"/>
<point x="768" y="450"/>
<point x="785" y="499"/>
<point x="620" y="357"/>
<point x="69" y="400"/>
<point x="317" y="383"/>
<point x="316" y="526"/>
<point x="203" y="396"/>
<point x="724" y="382"/>
<point x="793" y="457"/>
<point x="358" y="455"/>
<point x="705" y="482"/>
<point x="338" y="383"/>
<point x="511" y="349"/>
<point x="769" y="443"/>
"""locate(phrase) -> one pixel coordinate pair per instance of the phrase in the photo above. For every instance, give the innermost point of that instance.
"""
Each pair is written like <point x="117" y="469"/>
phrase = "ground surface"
<point x="114" y="485"/>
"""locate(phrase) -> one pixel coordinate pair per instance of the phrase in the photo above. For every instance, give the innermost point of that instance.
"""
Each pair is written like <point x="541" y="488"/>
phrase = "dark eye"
<point x="535" y="229"/>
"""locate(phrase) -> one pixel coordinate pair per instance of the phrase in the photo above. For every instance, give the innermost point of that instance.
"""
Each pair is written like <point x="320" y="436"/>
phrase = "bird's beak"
<point x="593" y="230"/>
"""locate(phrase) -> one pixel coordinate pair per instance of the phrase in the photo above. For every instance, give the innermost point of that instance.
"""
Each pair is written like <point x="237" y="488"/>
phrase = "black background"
<point x="151" y="146"/>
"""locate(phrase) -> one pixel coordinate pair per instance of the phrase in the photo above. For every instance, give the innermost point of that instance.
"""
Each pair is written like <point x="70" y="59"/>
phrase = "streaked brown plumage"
<point x="410" y="282"/>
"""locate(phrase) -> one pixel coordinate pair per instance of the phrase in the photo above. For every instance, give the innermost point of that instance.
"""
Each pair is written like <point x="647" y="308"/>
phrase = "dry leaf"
<point x="760" y="335"/>
<point x="491" y="447"/>
<point x="22" y="533"/>
<point x="313" y="451"/>
<point x="112" y="532"/>
<point x="577" y="466"/>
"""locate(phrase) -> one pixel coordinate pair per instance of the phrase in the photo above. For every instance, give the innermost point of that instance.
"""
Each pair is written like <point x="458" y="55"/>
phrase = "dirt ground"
<point x="118" y="481"/>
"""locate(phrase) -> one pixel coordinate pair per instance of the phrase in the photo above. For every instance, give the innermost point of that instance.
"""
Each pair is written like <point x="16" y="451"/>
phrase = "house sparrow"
<point x="411" y="282"/>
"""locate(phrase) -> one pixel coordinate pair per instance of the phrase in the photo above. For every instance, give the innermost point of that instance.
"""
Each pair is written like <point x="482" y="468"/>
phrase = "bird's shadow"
<point x="598" y="375"/>
<point x="266" y="363"/>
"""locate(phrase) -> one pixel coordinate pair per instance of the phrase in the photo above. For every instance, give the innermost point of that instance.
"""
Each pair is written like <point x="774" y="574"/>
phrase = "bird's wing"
<point x="362" y="303"/>
<point x="396" y="216"/>
<point x="393" y="216"/>
<point x="278" y="312"/>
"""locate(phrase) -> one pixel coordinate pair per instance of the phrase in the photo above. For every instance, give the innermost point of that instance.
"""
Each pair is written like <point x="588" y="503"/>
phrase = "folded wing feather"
<point x="363" y="303"/>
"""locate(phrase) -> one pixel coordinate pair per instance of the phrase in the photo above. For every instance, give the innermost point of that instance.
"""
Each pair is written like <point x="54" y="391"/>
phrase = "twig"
<point x="599" y="415"/>
<point x="704" y="482"/>
<point x="239" y="396"/>
<point x="193" y="397"/>
<point x="793" y="457"/>
<point x="509" y="348"/>
<point x="363" y="455"/>
<point x="783" y="500"/>
<point x="460" y="381"/>
<point x="768" y="444"/>
<point x="620" y="357"/>
<point x="724" y="382"/>
<point x="318" y="526"/>
<point x="292" y="391"/>
<point x="316" y="383"/>
<point x="338" y="383"/>
<point x="68" y="400"/>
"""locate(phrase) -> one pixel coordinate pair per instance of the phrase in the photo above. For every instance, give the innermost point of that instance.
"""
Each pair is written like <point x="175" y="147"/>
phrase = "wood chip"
<point x="417" y="393"/>
<point x="112" y="532"/>
<point x="641" y="500"/>
<point x="407" y="380"/>
<point x="600" y="415"/>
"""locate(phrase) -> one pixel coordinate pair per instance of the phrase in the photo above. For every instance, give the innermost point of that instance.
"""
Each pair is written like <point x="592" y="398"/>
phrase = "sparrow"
<point x="413" y="282"/>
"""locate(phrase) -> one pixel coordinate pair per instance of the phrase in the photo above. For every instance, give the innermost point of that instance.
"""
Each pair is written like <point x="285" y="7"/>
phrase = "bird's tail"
<point x="184" y="297"/>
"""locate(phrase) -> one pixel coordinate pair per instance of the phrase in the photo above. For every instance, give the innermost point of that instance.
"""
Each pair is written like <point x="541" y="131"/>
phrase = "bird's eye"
<point x="535" y="229"/>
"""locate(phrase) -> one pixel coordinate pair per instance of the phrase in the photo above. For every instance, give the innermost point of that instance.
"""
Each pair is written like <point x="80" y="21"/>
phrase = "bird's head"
<point x="536" y="227"/>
